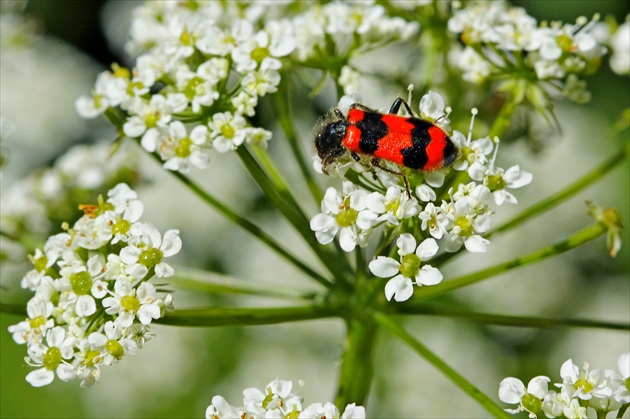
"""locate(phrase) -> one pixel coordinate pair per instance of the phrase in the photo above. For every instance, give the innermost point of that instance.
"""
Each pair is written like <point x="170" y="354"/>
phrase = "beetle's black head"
<point x="329" y="141"/>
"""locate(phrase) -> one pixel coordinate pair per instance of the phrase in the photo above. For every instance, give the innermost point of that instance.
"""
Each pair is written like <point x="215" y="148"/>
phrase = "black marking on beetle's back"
<point x="450" y="152"/>
<point x="372" y="129"/>
<point x="415" y="157"/>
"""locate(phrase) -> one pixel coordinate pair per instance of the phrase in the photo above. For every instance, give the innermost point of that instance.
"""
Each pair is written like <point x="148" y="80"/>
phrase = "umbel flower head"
<point x="93" y="305"/>
<point x="460" y="220"/>
<point x="277" y="400"/>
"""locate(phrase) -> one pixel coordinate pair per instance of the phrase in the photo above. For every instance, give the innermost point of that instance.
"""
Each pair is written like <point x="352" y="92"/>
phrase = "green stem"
<point x="503" y="119"/>
<point x="213" y="283"/>
<point x="622" y="410"/>
<point x="277" y="192"/>
<point x="449" y="372"/>
<point x="356" y="374"/>
<point x="246" y="316"/>
<point x="577" y="239"/>
<point x="503" y="320"/>
<point x="285" y="119"/>
<point x="248" y="226"/>
<point x="19" y="309"/>
<point x="563" y="195"/>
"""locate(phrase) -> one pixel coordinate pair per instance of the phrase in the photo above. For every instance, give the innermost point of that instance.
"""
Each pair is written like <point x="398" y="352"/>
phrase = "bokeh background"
<point x="178" y="372"/>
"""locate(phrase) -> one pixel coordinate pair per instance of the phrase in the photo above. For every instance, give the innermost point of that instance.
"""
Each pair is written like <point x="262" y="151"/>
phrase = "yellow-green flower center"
<point x="151" y="119"/>
<point x="628" y="383"/>
<point x="150" y="257"/>
<point x="121" y="227"/>
<point x="186" y="38"/>
<point x="133" y="86"/>
<point x="191" y="88"/>
<point x="268" y="398"/>
<point x="37" y="322"/>
<point x="52" y="358"/>
<point x="115" y="349"/>
<point x="227" y="130"/>
<point x="495" y="182"/>
<point x="465" y="225"/>
<point x="81" y="282"/>
<point x="410" y="265"/>
<point x="120" y="72"/>
<point x="564" y="42"/>
<point x="183" y="148"/>
<point x="346" y="217"/>
<point x="40" y="263"/>
<point x="531" y="403"/>
<point x="260" y="53"/>
<point x="90" y="356"/>
<point x="393" y="206"/>
<point x="130" y="303"/>
<point x="584" y="385"/>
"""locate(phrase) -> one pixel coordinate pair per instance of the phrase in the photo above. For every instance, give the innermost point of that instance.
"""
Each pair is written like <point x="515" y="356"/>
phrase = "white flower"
<point x="622" y="393"/>
<point x="52" y="357"/>
<point x="432" y="106"/>
<point x="261" y="51"/>
<point x="180" y="150"/>
<point x="466" y="226"/>
<point x="34" y="328"/>
<point x="434" y="220"/>
<point x="410" y="270"/>
<point x="220" y="408"/>
<point x="583" y="384"/>
<point x="147" y="249"/>
<point x="620" y="43"/>
<point x="129" y="303"/>
<point x="497" y="181"/>
<point x="276" y="397"/>
<point x="227" y="131"/>
<point x="348" y="213"/>
<point x="394" y="206"/>
<point x="512" y="391"/>
<point x="145" y="119"/>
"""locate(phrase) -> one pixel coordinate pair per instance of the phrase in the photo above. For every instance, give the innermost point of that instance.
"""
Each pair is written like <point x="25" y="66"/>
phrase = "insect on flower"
<point x="404" y="140"/>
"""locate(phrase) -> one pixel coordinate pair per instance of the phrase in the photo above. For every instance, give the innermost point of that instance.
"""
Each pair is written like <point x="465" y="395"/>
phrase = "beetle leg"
<point x="376" y="163"/>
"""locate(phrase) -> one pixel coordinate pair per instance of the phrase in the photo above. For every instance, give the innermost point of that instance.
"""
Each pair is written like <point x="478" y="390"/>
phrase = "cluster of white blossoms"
<point x="277" y="401"/>
<point x="503" y="40"/>
<point x="581" y="389"/>
<point x="458" y="221"/>
<point x="34" y="205"/>
<point x="620" y="45"/>
<point x="92" y="304"/>
<point x="203" y="66"/>
<point x="347" y="29"/>
<point x="198" y="77"/>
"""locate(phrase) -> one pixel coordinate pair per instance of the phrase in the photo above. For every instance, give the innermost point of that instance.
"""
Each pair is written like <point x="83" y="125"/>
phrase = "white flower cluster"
<point x="504" y="40"/>
<point x="348" y="29"/>
<point x="204" y="69"/>
<point x="277" y="401"/>
<point x="92" y="304"/>
<point x="580" y="390"/>
<point x="460" y="220"/>
<point x="620" y="45"/>
<point x="34" y="204"/>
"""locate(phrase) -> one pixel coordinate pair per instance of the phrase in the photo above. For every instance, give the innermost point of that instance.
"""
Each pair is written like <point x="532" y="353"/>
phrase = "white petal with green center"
<point x="384" y="267"/>
<point x="428" y="275"/>
<point x="399" y="287"/>
<point x="427" y="249"/>
<point x="511" y="390"/>
<point x="406" y="244"/>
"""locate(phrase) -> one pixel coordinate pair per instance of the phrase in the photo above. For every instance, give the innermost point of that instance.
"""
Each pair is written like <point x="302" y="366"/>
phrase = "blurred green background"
<point x="177" y="373"/>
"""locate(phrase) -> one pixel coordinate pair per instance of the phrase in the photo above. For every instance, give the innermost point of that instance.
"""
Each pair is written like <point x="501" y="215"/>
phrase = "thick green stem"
<point x="246" y="316"/>
<point x="355" y="376"/>
<point x="445" y="369"/>
<point x="414" y="308"/>
<point x="285" y="119"/>
<point x="214" y="283"/>
<point x="577" y="239"/>
<point x="277" y="192"/>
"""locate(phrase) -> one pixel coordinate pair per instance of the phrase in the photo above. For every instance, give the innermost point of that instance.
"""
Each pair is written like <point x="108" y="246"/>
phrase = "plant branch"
<point x="444" y="368"/>
<point x="504" y="320"/>
<point x="246" y="316"/>
<point x="577" y="239"/>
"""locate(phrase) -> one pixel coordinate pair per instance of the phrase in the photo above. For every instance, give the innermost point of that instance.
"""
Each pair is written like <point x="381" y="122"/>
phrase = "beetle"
<point x="407" y="141"/>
